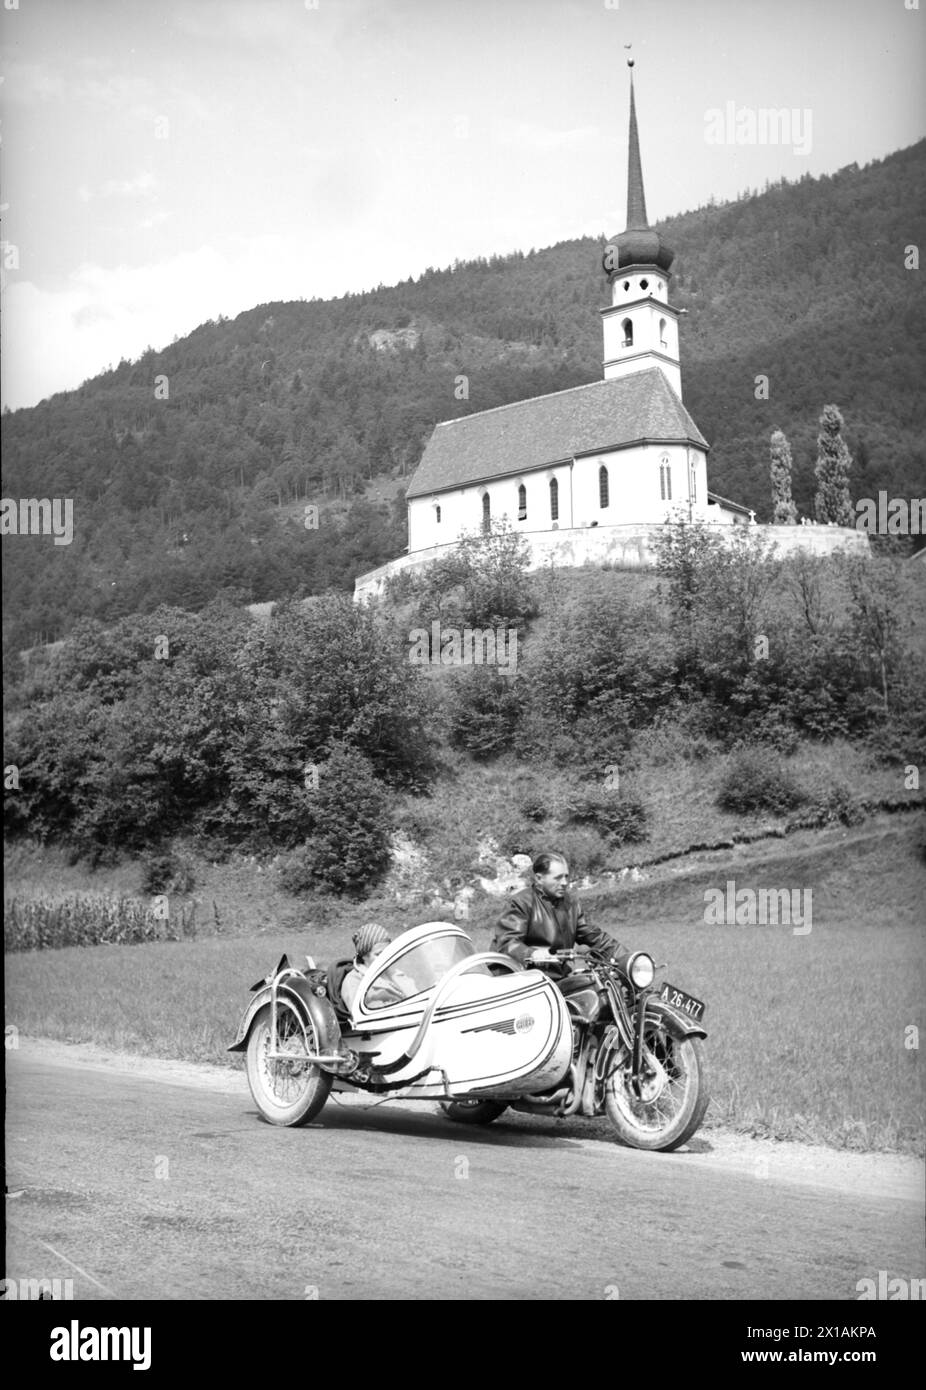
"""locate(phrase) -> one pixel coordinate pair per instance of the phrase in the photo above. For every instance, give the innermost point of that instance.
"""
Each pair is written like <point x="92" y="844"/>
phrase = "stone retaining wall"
<point x="629" y="547"/>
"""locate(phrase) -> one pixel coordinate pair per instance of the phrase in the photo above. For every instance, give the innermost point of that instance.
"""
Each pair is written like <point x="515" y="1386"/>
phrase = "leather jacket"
<point x="532" y="919"/>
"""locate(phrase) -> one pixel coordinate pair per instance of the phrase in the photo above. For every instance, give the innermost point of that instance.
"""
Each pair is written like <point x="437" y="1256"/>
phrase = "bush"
<point x="296" y="871"/>
<point x="484" y="709"/>
<point x="756" y="780"/>
<point x="585" y="850"/>
<point x="168" y="871"/>
<point x="683" y="732"/>
<point x="838" y="806"/>
<point x="483" y="582"/>
<point x="622" y="819"/>
<point x="348" y="849"/>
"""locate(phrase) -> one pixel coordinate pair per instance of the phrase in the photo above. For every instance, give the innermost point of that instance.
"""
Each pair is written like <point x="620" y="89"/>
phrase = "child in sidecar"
<point x="369" y="942"/>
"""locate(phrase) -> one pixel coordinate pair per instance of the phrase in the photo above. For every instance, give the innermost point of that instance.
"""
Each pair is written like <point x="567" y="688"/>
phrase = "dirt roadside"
<point x="879" y="1175"/>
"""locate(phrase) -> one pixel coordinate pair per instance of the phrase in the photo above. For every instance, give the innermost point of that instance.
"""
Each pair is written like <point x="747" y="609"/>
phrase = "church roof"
<point x="634" y="409"/>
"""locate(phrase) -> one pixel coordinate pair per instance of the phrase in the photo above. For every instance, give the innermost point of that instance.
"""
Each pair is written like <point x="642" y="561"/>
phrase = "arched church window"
<point x="486" y="513"/>
<point x="665" y="479"/>
<point x="437" y="514"/>
<point x="603" y="495"/>
<point x="662" y="333"/>
<point x="693" y="483"/>
<point x="554" y="500"/>
<point x="628" y="333"/>
<point x="644" y="284"/>
<point x="522" y="503"/>
<point x="626" y="284"/>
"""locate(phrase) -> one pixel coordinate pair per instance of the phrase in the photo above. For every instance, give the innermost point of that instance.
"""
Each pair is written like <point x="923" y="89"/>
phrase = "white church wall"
<point x="634" y="484"/>
<point x="628" y="547"/>
<point x="461" y="510"/>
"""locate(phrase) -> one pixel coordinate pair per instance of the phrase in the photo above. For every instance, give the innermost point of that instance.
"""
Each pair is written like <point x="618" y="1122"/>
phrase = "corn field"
<point x="36" y="924"/>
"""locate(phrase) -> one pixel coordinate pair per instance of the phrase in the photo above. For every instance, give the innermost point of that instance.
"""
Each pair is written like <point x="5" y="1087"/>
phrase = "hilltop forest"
<point x="191" y="467"/>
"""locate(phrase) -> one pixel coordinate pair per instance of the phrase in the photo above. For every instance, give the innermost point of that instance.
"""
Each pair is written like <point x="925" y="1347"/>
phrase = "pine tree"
<point x="833" y="502"/>
<point x="784" y="512"/>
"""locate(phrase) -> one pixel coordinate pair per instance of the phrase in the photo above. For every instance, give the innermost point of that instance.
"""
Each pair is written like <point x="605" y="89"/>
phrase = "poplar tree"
<point x="784" y="512"/>
<point x="833" y="502"/>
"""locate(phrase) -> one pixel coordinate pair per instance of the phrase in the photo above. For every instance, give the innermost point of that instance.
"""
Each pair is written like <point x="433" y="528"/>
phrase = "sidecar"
<point x="434" y="1019"/>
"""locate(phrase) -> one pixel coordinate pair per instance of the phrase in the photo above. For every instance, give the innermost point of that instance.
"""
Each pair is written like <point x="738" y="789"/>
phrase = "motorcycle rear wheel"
<point x="286" y="1092"/>
<point x="473" y="1112"/>
<point x="674" y="1115"/>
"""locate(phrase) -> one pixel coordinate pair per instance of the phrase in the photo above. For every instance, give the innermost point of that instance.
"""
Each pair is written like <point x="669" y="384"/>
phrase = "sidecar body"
<point x="435" y="1018"/>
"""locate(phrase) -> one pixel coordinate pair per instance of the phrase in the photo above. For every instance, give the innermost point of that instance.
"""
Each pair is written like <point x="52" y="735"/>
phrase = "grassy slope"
<point x="807" y="1032"/>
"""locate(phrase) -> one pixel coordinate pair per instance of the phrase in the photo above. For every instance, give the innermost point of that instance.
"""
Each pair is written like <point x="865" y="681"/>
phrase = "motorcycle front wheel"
<point x="674" y="1097"/>
<point x="472" y="1112"/>
<point x="287" y="1090"/>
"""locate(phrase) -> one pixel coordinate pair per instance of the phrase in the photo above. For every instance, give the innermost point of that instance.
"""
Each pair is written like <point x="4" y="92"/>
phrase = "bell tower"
<point x="640" y="325"/>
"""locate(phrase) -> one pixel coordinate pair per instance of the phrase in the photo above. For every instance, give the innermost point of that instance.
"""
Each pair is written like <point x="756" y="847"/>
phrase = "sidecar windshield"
<point x="417" y="969"/>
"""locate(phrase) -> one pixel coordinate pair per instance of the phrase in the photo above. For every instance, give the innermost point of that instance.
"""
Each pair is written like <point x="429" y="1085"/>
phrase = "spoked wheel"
<point x="287" y="1090"/>
<point x="473" y="1112"/>
<point x="674" y="1094"/>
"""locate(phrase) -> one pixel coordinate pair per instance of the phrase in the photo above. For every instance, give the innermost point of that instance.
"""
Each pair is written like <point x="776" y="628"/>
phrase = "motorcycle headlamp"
<point x="641" y="969"/>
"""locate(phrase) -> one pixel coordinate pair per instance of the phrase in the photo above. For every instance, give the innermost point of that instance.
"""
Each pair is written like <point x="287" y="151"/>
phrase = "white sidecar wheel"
<point x="673" y="1115"/>
<point x="473" y="1112"/>
<point x="286" y="1091"/>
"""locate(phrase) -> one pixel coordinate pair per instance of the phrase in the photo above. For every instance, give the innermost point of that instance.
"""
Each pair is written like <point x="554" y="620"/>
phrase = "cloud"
<point x="53" y="339"/>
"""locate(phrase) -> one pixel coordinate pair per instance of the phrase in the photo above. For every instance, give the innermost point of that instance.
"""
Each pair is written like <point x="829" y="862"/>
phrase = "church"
<point x="621" y="455"/>
<point x="616" y="452"/>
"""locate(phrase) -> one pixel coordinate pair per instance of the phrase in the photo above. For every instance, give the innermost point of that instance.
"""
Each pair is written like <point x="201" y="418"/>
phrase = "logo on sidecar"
<point x="524" y="1023"/>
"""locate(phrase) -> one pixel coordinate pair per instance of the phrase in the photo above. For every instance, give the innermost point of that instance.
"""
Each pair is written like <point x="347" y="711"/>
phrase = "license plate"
<point x="685" y="1003"/>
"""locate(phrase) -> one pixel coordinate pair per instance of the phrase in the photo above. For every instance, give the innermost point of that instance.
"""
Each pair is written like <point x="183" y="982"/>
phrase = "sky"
<point x="167" y="161"/>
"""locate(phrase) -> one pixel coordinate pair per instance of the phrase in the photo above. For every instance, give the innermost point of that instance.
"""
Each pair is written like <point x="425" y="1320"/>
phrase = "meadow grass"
<point x="808" y="1034"/>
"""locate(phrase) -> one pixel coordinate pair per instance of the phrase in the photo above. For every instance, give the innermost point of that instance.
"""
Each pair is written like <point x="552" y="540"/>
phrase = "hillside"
<point x="190" y="468"/>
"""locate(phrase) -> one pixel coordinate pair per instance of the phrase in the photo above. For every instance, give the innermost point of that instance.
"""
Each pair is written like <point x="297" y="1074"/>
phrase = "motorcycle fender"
<point x="676" y="1023"/>
<point x="315" y="1009"/>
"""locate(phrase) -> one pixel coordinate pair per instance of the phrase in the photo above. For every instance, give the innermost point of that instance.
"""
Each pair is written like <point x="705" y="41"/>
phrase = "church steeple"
<point x="640" y="326"/>
<point x="636" y="199"/>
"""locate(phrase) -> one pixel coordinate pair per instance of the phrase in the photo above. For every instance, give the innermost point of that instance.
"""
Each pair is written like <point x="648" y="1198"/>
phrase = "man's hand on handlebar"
<point x="540" y="955"/>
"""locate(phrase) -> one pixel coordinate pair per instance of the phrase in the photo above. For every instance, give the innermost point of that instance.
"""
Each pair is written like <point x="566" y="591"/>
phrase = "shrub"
<point x="296" y="871"/>
<point x="837" y="805"/>
<point x="584" y="849"/>
<point x="348" y="849"/>
<point x="756" y="780"/>
<point x="167" y="871"/>
<point x="485" y="707"/>
<point x="683" y="732"/>
<point x="621" y="818"/>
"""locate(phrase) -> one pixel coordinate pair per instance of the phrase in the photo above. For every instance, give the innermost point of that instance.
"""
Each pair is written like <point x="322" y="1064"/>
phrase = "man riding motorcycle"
<point x="546" y="916"/>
